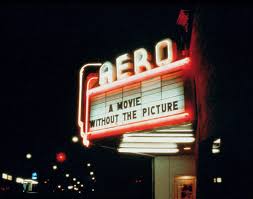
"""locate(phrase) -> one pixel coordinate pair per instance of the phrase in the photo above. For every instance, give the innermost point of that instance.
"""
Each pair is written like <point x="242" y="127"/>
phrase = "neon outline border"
<point x="168" y="120"/>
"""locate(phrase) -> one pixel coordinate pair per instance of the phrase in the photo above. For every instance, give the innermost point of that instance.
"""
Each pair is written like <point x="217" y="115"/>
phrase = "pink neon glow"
<point x="138" y="126"/>
<point x="90" y="80"/>
<point x="79" y="116"/>
<point x="140" y="77"/>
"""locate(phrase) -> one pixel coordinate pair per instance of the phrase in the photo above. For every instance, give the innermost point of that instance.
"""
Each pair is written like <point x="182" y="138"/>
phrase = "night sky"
<point x="43" y="47"/>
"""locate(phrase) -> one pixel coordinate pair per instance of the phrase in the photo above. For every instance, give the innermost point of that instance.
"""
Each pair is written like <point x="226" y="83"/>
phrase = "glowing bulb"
<point x="54" y="167"/>
<point x="28" y="156"/>
<point x="75" y="139"/>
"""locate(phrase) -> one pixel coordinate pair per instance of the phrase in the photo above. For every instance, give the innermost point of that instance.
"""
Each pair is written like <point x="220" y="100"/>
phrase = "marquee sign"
<point x="135" y="95"/>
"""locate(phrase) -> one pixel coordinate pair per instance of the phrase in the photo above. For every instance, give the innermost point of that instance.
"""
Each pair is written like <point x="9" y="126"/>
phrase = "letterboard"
<point x="154" y="98"/>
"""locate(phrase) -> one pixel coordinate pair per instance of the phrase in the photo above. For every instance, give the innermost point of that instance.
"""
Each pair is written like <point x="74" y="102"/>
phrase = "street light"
<point x="75" y="139"/>
<point x="28" y="156"/>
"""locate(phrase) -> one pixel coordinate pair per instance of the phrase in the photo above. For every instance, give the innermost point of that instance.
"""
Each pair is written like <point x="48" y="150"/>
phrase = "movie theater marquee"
<point x="149" y="99"/>
<point x="138" y="92"/>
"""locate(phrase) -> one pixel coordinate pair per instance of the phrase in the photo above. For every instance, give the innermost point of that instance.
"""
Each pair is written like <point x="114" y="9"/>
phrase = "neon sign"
<point x="165" y="53"/>
<point x="136" y="94"/>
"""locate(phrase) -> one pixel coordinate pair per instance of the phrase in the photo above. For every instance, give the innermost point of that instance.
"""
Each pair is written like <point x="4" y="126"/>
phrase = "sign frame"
<point x="92" y="78"/>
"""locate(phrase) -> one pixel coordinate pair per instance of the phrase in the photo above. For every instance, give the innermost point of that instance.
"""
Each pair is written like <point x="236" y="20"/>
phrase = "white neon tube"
<point x="148" y="145"/>
<point x="143" y="150"/>
<point x="157" y="135"/>
<point x="159" y="139"/>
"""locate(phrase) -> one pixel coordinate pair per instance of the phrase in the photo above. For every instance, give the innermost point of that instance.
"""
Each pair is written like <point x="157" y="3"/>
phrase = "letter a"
<point x="107" y="73"/>
<point x="110" y="108"/>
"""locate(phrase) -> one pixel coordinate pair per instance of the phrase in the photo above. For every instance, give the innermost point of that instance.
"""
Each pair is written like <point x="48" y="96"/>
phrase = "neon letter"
<point x="107" y="73"/>
<point x="142" y="59"/>
<point x="166" y="52"/>
<point x="124" y="66"/>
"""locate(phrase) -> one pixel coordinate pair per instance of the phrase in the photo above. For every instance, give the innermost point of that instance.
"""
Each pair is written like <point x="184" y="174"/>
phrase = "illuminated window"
<point x="219" y="180"/>
<point x="4" y="176"/>
<point x="20" y="180"/>
<point x="216" y="146"/>
<point x="9" y="177"/>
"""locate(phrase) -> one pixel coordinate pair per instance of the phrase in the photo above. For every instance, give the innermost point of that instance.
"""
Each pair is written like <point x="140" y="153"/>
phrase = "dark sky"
<point x="42" y="47"/>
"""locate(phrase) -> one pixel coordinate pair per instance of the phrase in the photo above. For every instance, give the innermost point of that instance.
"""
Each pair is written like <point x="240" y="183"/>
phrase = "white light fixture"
<point x="28" y="156"/>
<point x="78" y="182"/>
<point x="67" y="175"/>
<point x="59" y="186"/>
<point x="217" y="141"/>
<point x="55" y="167"/>
<point x="174" y="130"/>
<point x="88" y="165"/>
<point x="93" y="178"/>
<point x="19" y="180"/>
<point x="215" y="151"/>
<point x="74" y="179"/>
<point x="148" y="145"/>
<point x="75" y="139"/>
<point x="187" y="148"/>
<point x="70" y="187"/>
<point x="93" y="190"/>
<point x="91" y="173"/>
<point x="30" y="181"/>
<point x="4" y="176"/>
<point x="219" y="180"/>
<point x="143" y="150"/>
<point x="81" y="185"/>
<point x="159" y="139"/>
<point x="9" y="177"/>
